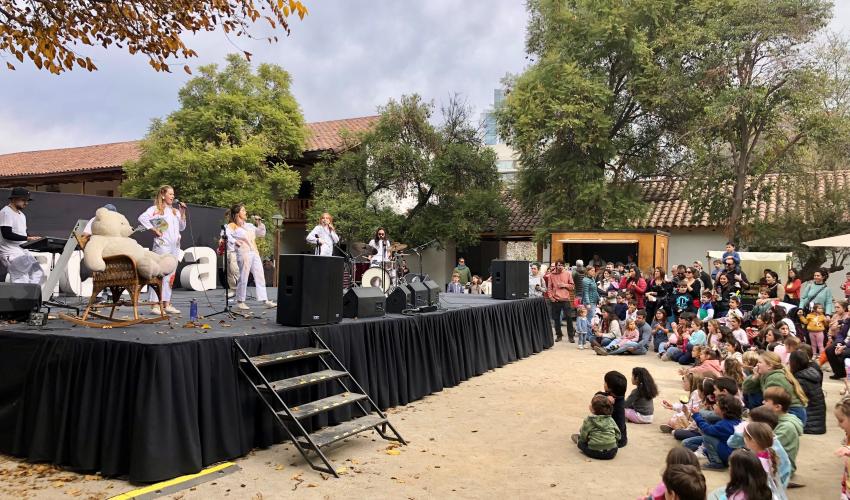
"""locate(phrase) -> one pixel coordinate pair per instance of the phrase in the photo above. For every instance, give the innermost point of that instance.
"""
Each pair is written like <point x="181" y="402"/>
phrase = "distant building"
<point x="506" y="157"/>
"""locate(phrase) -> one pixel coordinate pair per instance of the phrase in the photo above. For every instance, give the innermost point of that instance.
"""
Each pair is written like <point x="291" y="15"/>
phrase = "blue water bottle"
<point x="193" y="311"/>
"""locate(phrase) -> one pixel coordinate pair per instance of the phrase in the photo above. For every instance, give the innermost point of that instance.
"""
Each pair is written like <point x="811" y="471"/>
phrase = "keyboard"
<point x="47" y="244"/>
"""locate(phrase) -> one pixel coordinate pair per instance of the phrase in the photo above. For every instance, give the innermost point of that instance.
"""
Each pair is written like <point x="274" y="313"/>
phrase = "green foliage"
<point x="419" y="181"/>
<point x="756" y="98"/>
<point x="221" y="146"/>
<point x="583" y="117"/>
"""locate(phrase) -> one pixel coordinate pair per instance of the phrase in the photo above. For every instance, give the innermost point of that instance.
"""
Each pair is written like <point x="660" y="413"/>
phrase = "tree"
<point x="418" y="180"/>
<point x="227" y="142"/>
<point x="583" y="117"/>
<point x="755" y="97"/>
<point x="48" y="32"/>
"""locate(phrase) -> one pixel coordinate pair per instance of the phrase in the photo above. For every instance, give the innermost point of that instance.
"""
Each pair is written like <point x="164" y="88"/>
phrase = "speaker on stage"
<point x="18" y="300"/>
<point x="399" y="299"/>
<point x="418" y="294"/>
<point x="364" y="302"/>
<point x="433" y="292"/>
<point x="510" y="279"/>
<point x="309" y="290"/>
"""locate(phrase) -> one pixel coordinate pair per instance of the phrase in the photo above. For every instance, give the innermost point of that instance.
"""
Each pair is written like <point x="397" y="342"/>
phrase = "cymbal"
<point x="361" y="249"/>
<point x="397" y="247"/>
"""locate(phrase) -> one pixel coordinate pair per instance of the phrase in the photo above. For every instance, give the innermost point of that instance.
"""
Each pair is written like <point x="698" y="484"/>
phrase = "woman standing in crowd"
<point x="818" y="292"/>
<point x="658" y="292"/>
<point x="723" y="291"/>
<point x="792" y="288"/>
<point x="694" y="284"/>
<point x="242" y="235"/>
<point x="165" y="222"/>
<point x="608" y="286"/>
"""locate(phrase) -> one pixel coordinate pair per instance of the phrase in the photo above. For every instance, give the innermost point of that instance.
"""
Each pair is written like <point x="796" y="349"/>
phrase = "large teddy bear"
<point x="111" y="236"/>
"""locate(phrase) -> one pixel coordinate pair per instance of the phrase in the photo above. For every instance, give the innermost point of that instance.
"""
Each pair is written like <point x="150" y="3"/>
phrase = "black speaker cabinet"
<point x="433" y="292"/>
<point x="364" y="302"/>
<point x="418" y="294"/>
<point x="510" y="279"/>
<point x="17" y="300"/>
<point x="399" y="299"/>
<point x="309" y="290"/>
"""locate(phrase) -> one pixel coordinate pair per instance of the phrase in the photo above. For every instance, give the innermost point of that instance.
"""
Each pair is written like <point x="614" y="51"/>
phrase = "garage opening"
<point x="609" y="251"/>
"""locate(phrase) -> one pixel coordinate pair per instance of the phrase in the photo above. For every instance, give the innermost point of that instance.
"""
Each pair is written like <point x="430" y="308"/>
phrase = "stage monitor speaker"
<point x="433" y="292"/>
<point x="364" y="302"/>
<point x="510" y="279"/>
<point x="418" y="294"/>
<point x="398" y="299"/>
<point x="309" y="290"/>
<point x="18" y="300"/>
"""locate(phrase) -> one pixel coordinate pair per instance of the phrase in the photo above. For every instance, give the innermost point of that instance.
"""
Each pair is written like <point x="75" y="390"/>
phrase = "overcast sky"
<point x="346" y="57"/>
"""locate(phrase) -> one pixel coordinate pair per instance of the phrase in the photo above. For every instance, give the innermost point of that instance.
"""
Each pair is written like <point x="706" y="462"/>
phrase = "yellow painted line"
<point x="171" y="482"/>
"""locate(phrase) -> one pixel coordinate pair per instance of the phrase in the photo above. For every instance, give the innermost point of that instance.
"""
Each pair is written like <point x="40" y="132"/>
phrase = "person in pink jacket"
<point x="710" y="364"/>
<point x="634" y="283"/>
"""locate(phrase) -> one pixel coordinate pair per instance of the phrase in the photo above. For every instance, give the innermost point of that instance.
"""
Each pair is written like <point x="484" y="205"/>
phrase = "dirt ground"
<point x="504" y="434"/>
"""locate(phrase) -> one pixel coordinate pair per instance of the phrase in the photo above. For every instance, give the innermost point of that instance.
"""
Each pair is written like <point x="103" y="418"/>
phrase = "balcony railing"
<point x="295" y="210"/>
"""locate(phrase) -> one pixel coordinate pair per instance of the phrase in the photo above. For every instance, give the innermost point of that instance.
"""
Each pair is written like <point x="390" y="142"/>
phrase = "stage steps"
<point x="290" y="417"/>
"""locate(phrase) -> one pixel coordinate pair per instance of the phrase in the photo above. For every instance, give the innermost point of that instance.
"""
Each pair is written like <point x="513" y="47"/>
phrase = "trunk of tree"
<point x="733" y="226"/>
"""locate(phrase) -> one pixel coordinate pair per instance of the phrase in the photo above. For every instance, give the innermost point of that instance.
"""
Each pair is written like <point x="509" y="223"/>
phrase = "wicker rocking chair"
<point x="120" y="275"/>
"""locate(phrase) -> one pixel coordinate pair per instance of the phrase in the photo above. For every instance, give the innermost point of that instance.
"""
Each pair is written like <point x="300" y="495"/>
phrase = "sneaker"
<point x="700" y="452"/>
<point x="666" y="429"/>
<point x="600" y="350"/>
<point x="231" y="294"/>
<point x="713" y="466"/>
<point x="172" y="310"/>
<point x="270" y="304"/>
<point x="574" y="438"/>
<point x="156" y="310"/>
<point x="242" y="306"/>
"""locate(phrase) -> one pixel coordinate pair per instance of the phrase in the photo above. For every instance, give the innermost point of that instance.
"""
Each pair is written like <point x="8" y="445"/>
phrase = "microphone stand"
<point x="349" y="263"/>
<point x="418" y="252"/>
<point x="228" y="310"/>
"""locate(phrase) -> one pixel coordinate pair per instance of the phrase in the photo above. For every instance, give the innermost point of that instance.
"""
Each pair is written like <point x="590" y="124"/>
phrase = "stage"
<point x="152" y="402"/>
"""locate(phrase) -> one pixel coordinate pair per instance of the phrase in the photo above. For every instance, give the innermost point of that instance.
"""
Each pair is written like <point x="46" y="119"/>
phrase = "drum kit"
<point x="385" y="275"/>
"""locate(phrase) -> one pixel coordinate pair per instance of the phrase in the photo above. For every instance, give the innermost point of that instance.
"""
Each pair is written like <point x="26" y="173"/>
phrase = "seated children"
<point x="599" y="433"/>
<point x="747" y="478"/>
<point x="751" y="386"/>
<point x="659" y="329"/>
<point x="734" y="311"/>
<point x="631" y="334"/>
<point x="758" y="438"/>
<point x="709" y="364"/>
<point x="684" y="482"/>
<point x="714" y="436"/>
<point x="766" y="416"/>
<point x="698" y="338"/>
<point x="677" y="455"/>
<point x="737" y="332"/>
<point x="789" y="429"/>
<point x="842" y="415"/>
<point x="810" y="378"/>
<point x="692" y="383"/>
<point x="706" y="307"/>
<point x="639" y="406"/>
<point x="615" y="389"/>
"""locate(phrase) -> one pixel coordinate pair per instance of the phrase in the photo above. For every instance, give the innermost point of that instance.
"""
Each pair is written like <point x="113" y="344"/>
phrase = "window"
<point x="506" y="166"/>
<point x="490" y="135"/>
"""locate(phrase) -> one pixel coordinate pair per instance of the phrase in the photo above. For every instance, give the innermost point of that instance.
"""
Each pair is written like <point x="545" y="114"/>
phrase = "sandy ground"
<point x="504" y="434"/>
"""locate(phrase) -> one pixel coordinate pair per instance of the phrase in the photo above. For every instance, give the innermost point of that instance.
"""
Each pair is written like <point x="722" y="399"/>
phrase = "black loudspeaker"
<point x="510" y="279"/>
<point x="309" y="290"/>
<point x="17" y="300"/>
<point x="433" y="292"/>
<point x="418" y="294"/>
<point x="364" y="302"/>
<point x="398" y="300"/>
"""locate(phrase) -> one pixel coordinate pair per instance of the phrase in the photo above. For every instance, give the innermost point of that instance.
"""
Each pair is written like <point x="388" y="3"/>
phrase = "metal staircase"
<point x="291" y="417"/>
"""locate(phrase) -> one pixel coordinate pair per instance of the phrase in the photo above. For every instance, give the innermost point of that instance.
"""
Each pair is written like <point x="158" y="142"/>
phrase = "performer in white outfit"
<point x="382" y="244"/>
<point x="242" y="240"/>
<point x="166" y="222"/>
<point x="324" y="236"/>
<point x="19" y="263"/>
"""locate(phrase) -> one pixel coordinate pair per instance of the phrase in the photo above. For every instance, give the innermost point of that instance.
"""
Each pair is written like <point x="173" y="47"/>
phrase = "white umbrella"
<point x="833" y="241"/>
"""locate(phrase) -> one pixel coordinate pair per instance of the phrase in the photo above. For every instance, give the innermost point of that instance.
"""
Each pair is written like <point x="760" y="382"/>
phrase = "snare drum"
<point x="378" y="278"/>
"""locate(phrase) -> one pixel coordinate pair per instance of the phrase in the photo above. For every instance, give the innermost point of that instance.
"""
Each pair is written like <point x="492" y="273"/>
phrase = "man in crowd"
<point x="735" y="274"/>
<point x="560" y="293"/>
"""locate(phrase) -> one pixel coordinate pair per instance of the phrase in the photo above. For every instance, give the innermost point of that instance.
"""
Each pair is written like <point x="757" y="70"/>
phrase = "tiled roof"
<point x="668" y="209"/>
<point x="322" y="136"/>
<point x="326" y="136"/>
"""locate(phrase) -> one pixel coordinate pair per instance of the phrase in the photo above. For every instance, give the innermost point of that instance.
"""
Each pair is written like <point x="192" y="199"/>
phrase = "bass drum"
<point x="378" y="278"/>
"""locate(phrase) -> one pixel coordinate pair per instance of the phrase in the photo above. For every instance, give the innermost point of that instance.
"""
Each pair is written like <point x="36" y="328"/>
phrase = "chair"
<point x="120" y="275"/>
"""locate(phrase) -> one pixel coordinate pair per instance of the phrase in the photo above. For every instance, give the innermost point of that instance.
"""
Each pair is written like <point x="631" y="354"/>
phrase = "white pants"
<point x="250" y="263"/>
<point x="166" y="280"/>
<point x="24" y="268"/>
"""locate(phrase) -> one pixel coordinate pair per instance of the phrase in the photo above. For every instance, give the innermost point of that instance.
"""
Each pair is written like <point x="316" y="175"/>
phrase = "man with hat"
<point x="21" y="265"/>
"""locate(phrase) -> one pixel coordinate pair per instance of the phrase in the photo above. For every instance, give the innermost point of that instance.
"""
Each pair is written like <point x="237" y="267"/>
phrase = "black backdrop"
<point x="54" y="214"/>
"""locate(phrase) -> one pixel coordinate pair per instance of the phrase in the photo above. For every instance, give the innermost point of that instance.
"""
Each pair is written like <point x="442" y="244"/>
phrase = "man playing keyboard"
<point x="20" y="264"/>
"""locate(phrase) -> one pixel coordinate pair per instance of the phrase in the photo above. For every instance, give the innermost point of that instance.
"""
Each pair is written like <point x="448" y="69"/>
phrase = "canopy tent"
<point x="833" y="241"/>
<point x="754" y="263"/>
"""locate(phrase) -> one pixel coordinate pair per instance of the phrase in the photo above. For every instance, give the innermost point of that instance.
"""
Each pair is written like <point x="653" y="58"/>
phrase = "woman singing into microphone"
<point x="324" y="236"/>
<point x="242" y="235"/>
<point x="166" y="222"/>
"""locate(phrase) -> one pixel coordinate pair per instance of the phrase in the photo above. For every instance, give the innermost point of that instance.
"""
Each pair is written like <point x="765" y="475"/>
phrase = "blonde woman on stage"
<point x="242" y="241"/>
<point x="166" y="222"/>
<point x="324" y="236"/>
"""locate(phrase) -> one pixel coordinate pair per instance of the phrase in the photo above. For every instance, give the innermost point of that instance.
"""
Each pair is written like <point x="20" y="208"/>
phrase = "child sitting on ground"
<point x="734" y="312"/>
<point x="790" y="428"/>
<point x="631" y="334"/>
<point x="706" y="306"/>
<point x="691" y="382"/>
<point x="751" y="386"/>
<point x="708" y="401"/>
<point x="677" y="455"/>
<point x="842" y="415"/>
<point x="684" y="482"/>
<point x="659" y="329"/>
<point x="582" y="327"/>
<point x="615" y="389"/>
<point x="714" y="436"/>
<point x="737" y="332"/>
<point x="765" y="415"/>
<point x="599" y="433"/>
<point x="715" y="336"/>
<point x="747" y="479"/>
<point x="709" y="363"/>
<point x="733" y="369"/>
<point x="639" y="406"/>
<point x="758" y="438"/>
